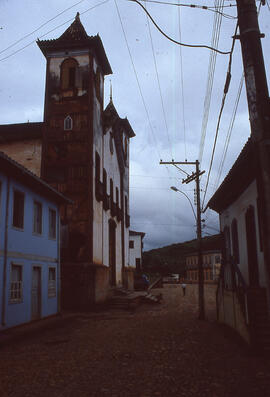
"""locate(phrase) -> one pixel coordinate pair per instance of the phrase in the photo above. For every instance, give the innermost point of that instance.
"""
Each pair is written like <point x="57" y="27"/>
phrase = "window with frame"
<point x="18" y="209"/>
<point x="68" y="123"/>
<point x="131" y="244"/>
<point x="104" y="181"/>
<point x="111" y="192"/>
<point x="117" y="196"/>
<point x="16" y="286"/>
<point x="52" y="282"/>
<point x="37" y="227"/>
<point x="97" y="173"/>
<point x="52" y="224"/>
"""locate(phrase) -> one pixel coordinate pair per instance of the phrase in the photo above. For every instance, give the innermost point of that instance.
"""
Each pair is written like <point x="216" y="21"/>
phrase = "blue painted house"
<point x="29" y="245"/>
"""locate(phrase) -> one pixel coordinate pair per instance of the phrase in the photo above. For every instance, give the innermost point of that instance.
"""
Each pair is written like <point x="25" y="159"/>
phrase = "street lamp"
<point x="180" y="191"/>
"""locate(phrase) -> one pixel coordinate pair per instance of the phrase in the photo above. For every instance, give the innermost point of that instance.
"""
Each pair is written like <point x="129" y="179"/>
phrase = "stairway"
<point x="129" y="300"/>
<point x="259" y="319"/>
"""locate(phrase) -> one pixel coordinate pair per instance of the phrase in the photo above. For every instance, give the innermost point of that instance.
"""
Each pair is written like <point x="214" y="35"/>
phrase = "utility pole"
<point x="259" y="109"/>
<point x="196" y="176"/>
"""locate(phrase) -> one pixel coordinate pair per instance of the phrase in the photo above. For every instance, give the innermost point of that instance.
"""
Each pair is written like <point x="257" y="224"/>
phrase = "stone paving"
<point x="157" y="350"/>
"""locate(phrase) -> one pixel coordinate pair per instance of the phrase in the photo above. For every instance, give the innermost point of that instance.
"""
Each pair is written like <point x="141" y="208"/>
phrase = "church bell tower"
<point x="76" y="66"/>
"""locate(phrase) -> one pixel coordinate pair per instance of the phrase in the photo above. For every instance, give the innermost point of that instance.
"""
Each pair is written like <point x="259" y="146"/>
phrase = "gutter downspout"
<point x="59" y="262"/>
<point x="3" y="320"/>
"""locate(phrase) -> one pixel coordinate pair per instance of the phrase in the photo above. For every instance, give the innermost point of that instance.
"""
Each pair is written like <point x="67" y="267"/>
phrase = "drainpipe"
<point x="3" y="320"/>
<point x="59" y="262"/>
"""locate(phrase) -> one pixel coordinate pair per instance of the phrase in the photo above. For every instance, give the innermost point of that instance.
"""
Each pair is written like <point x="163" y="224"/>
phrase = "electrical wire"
<point x="175" y="41"/>
<point x="159" y="86"/>
<point x="41" y="26"/>
<point x="210" y="79"/>
<point x="182" y="83"/>
<point x="137" y="79"/>
<point x="50" y="31"/>
<point x="207" y="8"/>
<point x="229" y="133"/>
<point x="226" y="88"/>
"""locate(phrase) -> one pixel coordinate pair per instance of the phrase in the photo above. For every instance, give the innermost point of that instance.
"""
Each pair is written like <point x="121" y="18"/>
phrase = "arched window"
<point x="68" y="123"/>
<point x="68" y="73"/>
<point x="235" y="243"/>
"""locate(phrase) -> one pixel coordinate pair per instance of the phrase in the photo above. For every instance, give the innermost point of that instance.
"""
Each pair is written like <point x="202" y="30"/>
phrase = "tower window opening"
<point x="71" y="77"/>
<point x="68" y="73"/>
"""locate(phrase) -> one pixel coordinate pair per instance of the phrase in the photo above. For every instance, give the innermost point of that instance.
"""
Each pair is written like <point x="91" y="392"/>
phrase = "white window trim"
<point x="49" y="236"/>
<point x="20" y="229"/>
<point x="51" y="283"/>
<point x="35" y="232"/>
<point x="20" y="299"/>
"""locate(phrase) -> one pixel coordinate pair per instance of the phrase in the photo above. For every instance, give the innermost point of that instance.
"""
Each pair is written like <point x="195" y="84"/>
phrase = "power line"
<point x="158" y="81"/>
<point x="137" y="78"/>
<point x="182" y="83"/>
<point x="210" y="79"/>
<point x="163" y="224"/>
<point x="226" y="88"/>
<point x="175" y="41"/>
<point x="41" y="26"/>
<point x="50" y="31"/>
<point x="207" y="8"/>
<point x="229" y="133"/>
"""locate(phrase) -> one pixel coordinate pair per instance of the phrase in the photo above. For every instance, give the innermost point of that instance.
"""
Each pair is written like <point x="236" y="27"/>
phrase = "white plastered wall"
<point x="111" y="165"/>
<point x="136" y="251"/>
<point x="237" y="210"/>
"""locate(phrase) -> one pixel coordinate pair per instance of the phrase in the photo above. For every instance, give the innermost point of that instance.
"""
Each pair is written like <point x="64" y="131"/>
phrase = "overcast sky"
<point x="165" y="110"/>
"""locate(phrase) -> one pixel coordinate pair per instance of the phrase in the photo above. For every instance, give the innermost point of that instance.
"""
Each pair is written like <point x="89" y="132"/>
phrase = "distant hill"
<point x="171" y="259"/>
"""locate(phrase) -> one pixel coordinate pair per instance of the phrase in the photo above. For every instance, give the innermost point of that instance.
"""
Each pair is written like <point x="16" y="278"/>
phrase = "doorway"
<point x="36" y="293"/>
<point x="112" y="253"/>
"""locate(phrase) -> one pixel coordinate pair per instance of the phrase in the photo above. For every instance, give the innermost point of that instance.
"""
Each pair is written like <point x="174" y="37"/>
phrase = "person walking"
<point x="184" y="288"/>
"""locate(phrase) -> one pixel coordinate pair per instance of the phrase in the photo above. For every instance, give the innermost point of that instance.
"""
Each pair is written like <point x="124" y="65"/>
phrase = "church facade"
<point x="85" y="156"/>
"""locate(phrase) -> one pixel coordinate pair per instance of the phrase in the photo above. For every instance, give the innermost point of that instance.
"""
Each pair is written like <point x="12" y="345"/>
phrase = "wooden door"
<point x="112" y="253"/>
<point x="36" y="293"/>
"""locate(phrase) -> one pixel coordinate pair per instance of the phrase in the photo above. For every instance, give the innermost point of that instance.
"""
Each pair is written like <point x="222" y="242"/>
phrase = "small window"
<point x="131" y="244"/>
<point x="97" y="167"/>
<point x="104" y="181"/>
<point x="68" y="123"/>
<point x="117" y="196"/>
<point x="37" y="227"/>
<point x="126" y="205"/>
<point x="111" y="192"/>
<point x="18" y="209"/>
<point x="15" y="293"/>
<point x="52" y="282"/>
<point x="52" y="224"/>
<point x="111" y="143"/>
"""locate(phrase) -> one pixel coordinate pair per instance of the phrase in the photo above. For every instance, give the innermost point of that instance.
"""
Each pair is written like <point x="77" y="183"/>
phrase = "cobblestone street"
<point x="158" y="350"/>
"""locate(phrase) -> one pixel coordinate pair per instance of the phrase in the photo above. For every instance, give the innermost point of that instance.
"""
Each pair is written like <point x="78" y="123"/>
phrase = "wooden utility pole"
<point x="259" y="110"/>
<point x="196" y="176"/>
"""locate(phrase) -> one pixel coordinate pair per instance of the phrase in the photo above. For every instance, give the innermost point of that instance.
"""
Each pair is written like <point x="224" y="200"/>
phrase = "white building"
<point x="244" y="291"/>
<point x="135" y="250"/>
